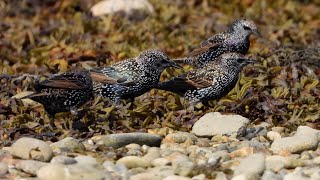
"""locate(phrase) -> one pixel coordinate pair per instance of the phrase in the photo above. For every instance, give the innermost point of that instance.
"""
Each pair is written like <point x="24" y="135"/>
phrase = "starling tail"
<point x="63" y="92"/>
<point x="210" y="82"/>
<point x="235" y="39"/>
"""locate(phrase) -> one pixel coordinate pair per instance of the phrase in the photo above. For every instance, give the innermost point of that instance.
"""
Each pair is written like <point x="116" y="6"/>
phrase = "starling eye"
<point x="246" y="28"/>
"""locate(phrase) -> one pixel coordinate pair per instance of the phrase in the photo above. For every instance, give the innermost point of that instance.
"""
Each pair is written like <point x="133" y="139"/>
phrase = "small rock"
<point x="153" y="153"/>
<point x="134" y="162"/>
<point x="3" y="168"/>
<point x="175" y="177"/>
<point x="63" y="160"/>
<point x="212" y="124"/>
<point x="68" y="144"/>
<point x="30" y="166"/>
<point x="120" y="140"/>
<point x="277" y="129"/>
<point x="296" y="175"/>
<point x="269" y="175"/>
<point x="221" y="176"/>
<point x="243" y="152"/>
<point x="87" y="160"/>
<point x="306" y="138"/>
<point x="71" y="172"/>
<point x="133" y="146"/>
<point x="145" y="176"/>
<point x="118" y="169"/>
<point x="276" y="162"/>
<point x="180" y="137"/>
<point x="52" y="172"/>
<point x="199" y="177"/>
<point x="161" y="171"/>
<point x="129" y="7"/>
<point x="272" y="135"/>
<point x="181" y="164"/>
<point x="30" y="148"/>
<point x="160" y="162"/>
<point x="317" y="160"/>
<point x="252" y="165"/>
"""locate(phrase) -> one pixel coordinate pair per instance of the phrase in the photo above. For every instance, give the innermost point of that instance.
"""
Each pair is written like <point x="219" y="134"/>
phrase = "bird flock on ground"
<point x="217" y="64"/>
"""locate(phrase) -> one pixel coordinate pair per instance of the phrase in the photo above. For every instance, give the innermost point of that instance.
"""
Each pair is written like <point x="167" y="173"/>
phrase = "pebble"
<point x="212" y="124"/>
<point x="276" y="162"/>
<point x="63" y="160"/>
<point x="30" y="166"/>
<point x="160" y="162"/>
<point x="175" y="177"/>
<point x="86" y="160"/>
<point x="272" y="135"/>
<point x="269" y="175"/>
<point x="180" y="137"/>
<point x="68" y="144"/>
<point x="252" y="165"/>
<point x="30" y="148"/>
<point x="161" y="171"/>
<point x="52" y="172"/>
<point x="121" y="140"/>
<point x="71" y="172"/>
<point x="199" y="177"/>
<point x="145" y="176"/>
<point x="306" y="138"/>
<point x="134" y="162"/>
<point x="181" y="163"/>
<point x="153" y="153"/>
<point x="296" y="175"/>
<point x="136" y="9"/>
<point x="3" y="168"/>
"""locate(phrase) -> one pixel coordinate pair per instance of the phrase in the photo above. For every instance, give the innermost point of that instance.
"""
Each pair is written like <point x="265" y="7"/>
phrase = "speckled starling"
<point x="235" y="39"/>
<point x="63" y="92"/>
<point x="210" y="82"/>
<point x="131" y="77"/>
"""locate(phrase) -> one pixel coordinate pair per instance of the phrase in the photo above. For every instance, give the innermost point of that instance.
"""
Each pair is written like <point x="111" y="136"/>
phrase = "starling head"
<point x="156" y="59"/>
<point x="234" y="59"/>
<point x="244" y="26"/>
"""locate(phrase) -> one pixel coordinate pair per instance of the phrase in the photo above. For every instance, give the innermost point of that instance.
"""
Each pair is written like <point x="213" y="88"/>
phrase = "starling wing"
<point x="110" y="75"/>
<point x="196" y="79"/>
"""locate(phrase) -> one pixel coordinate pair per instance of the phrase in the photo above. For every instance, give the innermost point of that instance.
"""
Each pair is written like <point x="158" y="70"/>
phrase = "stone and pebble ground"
<point x="219" y="147"/>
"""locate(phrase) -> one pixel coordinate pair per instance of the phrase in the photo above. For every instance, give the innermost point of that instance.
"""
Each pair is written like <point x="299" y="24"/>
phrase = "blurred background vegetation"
<point x="42" y="37"/>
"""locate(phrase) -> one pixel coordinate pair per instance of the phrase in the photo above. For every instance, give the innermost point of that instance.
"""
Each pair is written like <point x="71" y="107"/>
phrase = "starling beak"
<point x="210" y="82"/>
<point x="131" y="77"/>
<point x="63" y="92"/>
<point x="234" y="39"/>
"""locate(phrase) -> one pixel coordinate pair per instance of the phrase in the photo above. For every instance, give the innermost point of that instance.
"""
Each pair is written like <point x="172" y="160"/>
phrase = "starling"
<point x="131" y="77"/>
<point x="235" y="39"/>
<point x="63" y="92"/>
<point x="210" y="82"/>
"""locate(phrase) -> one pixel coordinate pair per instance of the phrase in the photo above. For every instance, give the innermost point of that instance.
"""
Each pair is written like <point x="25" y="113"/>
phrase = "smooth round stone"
<point x="215" y="123"/>
<point x="145" y="176"/>
<point x="199" y="177"/>
<point x="133" y="146"/>
<point x="30" y="166"/>
<point x="160" y="162"/>
<point x="134" y="162"/>
<point x="252" y="165"/>
<point x="175" y="177"/>
<point x="3" y="168"/>
<point x="305" y="138"/>
<point x="63" y="160"/>
<point x="161" y="171"/>
<point x="269" y="175"/>
<point x="68" y="144"/>
<point x="52" y="172"/>
<point x="180" y="137"/>
<point x="30" y="148"/>
<point x="88" y="160"/>
<point x="272" y="135"/>
<point x="118" y="169"/>
<point x="153" y="153"/>
<point x="121" y="140"/>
